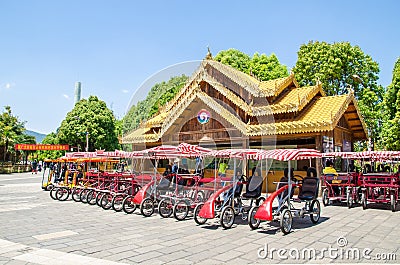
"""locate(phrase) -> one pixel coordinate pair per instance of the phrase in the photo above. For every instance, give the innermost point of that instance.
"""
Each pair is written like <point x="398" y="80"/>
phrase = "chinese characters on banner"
<point x="47" y="147"/>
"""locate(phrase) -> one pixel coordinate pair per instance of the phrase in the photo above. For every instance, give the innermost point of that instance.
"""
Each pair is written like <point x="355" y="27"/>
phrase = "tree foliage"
<point x="335" y="66"/>
<point x="391" y="126"/>
<point x="11" y="131"/>
<point x="260" y="65"/>
<point x="158" y="96"/>
<point x="89" y="116"/>
<point x="234" y="58"/>
<point x="51" y="138"/>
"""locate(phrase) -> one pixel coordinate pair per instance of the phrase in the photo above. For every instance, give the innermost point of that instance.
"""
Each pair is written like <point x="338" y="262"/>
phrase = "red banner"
<point x="47" y="147"/>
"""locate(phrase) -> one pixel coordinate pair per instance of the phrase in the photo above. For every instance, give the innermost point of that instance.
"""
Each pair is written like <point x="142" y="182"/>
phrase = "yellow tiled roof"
<point x="157" y="121"/>
<point x="244" y="80"/>
<point x="254" y="86"/>
<point x="322" y="115"/>
<point x="324" y="109"/>
<point x="140" y="135"/>
<point x="296" y="99"/>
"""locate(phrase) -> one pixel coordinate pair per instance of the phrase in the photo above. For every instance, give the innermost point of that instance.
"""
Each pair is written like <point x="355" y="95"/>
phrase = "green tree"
<point x="392" y="99"/>
<point x="10" y="129"/>
<point x="391" y="126"/>
<point x="158" y="96"/>
<point x="51" y="138"/>
<point x="90" y="118"/>
<point x="260" y="65"/>
<point x="267" y="67"/>
<point x="23" y="155"/>
<point x="335" y="66"/>
<point x="234" y="58"/>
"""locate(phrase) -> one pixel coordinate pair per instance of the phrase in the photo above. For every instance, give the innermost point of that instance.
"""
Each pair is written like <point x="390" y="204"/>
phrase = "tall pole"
<point x="87" y="141"/>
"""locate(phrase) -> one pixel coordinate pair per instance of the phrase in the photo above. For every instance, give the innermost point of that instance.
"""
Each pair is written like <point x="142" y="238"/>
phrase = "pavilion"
<point x="221" y="107"/>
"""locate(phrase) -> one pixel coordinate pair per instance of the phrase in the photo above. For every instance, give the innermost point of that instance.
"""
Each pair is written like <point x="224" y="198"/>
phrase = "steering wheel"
<point x="242" y="178"/>
<point x="298" y="178"/>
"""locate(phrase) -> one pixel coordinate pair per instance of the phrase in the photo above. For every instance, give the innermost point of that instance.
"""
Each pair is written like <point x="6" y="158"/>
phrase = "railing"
<point x="8" y="169"/>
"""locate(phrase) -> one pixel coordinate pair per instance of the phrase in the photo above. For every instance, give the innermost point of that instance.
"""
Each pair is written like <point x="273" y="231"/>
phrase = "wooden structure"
<point x="242" y="111"/>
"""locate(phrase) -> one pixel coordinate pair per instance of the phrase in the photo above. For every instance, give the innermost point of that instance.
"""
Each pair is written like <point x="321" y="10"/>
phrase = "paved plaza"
<point x="38" y="230"/>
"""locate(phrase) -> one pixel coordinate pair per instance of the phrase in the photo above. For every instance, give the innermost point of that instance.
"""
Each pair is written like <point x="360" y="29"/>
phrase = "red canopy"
<point x="289" y="154"/>
<point x="379" y="155"/>
<point x="341" y="154"/>
<point x="236" y="153"/>
<point x="190" y="150"/>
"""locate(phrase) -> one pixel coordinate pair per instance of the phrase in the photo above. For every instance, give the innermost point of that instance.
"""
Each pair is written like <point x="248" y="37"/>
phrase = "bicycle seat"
<point x="309" y="189"/>
<point x="164" y="184"/>
<point x="253" y="187"/>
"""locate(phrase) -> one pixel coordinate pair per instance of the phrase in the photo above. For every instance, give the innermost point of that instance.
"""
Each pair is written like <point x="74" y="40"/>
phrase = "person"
<point x="222" y="168"/>
<point x="329" y="169"/>
<point x="168" y="170"/>
<point x="34" y="166"/>
<point x="175" y="166"/>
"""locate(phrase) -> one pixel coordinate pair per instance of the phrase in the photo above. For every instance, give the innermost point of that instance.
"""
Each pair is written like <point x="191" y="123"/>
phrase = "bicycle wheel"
<point x="315" y="209"/>
<point x="199" y="220"/>
<point x="325" y="197"/>
<point x="147" y="207"/>
<point x="62" y="194"/>
<point x="181" y="210"/>
<point x="106" y="201"/>
<point x="364" y="200"/>
<point x="53" y="192"/>
<point x="253" y="223"/>
<point x="286" y="221"/>
<point x="91" y="197"/>
<point x="349" y="198"/>
<point x="128" y="206"/>
<point x="392" y="201"/>
<point x="99" y="196"/>
<point x="117" y="202"/>
<point x="227" y="217"/>
<point x="165" y="207"/>
<point x="83" y="196"/>
<point x="76" y="192"/>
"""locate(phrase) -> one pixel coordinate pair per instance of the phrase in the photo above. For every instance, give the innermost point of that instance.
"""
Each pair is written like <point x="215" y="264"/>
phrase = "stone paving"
<point x="38" y="230"/>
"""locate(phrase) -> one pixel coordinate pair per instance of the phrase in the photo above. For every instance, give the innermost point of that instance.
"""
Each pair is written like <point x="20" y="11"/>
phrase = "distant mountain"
<point x="39" y="136"/>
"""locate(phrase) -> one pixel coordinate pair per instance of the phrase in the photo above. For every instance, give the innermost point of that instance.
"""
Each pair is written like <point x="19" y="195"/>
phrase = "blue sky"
<point x="113" y="46"/>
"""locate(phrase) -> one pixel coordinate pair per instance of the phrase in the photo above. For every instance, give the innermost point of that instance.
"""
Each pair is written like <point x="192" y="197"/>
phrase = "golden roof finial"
<point x="350" y="89"/>
<point x="209" y="55"/>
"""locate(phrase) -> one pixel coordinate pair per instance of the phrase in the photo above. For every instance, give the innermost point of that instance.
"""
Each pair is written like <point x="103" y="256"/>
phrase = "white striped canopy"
<point x="161" y="152"/>
<point x="379" y="155"/>
<point x="289" y="154"/>
<point x="340" y="154"/>
<point x="235" y="153"/>
<point x="190" y="150"/>
<point x="373" y="155"/>
<point x="170" y="151"/>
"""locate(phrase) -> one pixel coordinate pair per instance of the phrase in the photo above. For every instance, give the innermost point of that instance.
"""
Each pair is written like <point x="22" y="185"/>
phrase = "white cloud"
<point x="8" y="85"/>
<point x="65" y="96"/>
<point x="125" y="91"/>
